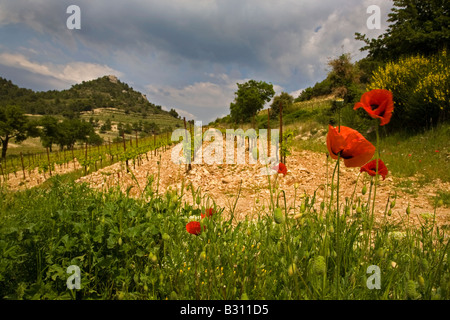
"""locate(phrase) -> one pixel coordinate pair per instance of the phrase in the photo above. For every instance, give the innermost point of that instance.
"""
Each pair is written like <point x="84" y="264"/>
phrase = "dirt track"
<point x="307" y="169"/>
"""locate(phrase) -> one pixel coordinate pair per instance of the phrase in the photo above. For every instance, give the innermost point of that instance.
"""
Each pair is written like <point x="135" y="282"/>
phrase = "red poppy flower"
<point x="371" y="168"/>
<point x="194" y="227"/>
<point x="378" y="103"/>
<point x="209" y="212"/>
<point x="280" y="168"/>
<point x="354" y="148"/>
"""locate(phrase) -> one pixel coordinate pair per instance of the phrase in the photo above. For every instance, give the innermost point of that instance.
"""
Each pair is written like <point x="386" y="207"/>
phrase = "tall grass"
<point x="139" y="249"/>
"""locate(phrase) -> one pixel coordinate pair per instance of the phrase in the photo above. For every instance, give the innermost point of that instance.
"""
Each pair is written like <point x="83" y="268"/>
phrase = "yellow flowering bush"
<point x="421" y="88"/>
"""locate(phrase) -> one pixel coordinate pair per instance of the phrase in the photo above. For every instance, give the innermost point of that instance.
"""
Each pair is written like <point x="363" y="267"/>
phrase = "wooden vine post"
<point x="85" y="158"/>
<point x="23" y="167"/>
<point x="124" y="150"/>
<point x="281" y="132"/>
<point x="268" y="133"/>
<point x="189" y="167"/>
<point x="49" y="165"/>
<point x="154" y="142"/>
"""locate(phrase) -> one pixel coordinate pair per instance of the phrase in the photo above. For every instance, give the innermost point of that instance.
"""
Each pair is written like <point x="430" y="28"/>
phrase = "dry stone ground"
<point x="306" y="169"/>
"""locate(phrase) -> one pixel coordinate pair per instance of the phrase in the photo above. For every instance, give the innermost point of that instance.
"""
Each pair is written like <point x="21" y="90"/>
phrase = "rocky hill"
<point x="104" y="92"/>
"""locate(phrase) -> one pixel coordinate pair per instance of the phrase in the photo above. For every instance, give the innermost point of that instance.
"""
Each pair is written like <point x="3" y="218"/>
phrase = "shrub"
<point x="420" y="86"/>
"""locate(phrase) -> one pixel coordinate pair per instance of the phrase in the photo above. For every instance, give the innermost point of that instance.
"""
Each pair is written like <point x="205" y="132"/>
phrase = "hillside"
<point x="104" y="92"/>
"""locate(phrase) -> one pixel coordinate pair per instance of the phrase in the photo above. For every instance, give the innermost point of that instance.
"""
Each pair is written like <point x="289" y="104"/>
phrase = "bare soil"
<point x="306" y="169"/>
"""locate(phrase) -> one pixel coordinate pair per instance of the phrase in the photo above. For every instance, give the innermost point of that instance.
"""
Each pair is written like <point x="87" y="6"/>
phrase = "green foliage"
<point x="285" y="99"/>
<point x="419" y="26"/>
<point x="421" y="90"/>
<point x="319" y="89"/>
<point x="250" y="98"/>
<point x="104" y="92"/>
<point x="13" y="125"/>
<point x="139" y="249"/>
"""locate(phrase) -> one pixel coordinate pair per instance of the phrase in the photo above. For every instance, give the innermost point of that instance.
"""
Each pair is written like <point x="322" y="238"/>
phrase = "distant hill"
<point x="104" y="92"/>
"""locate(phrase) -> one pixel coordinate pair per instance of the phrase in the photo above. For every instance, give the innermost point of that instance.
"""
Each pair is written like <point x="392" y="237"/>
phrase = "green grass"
<point x="426" y="154"/>
<point x="139" y="249"/>
<point x="116" y="116"/>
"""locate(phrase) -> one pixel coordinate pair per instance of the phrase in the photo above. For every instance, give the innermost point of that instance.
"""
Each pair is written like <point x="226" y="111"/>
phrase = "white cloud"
<point x="72" y="72"/>
<point x="205" y="94"/>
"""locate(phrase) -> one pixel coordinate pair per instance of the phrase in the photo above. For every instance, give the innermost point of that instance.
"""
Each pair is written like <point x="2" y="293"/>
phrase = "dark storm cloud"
<point x="178" y="50"/>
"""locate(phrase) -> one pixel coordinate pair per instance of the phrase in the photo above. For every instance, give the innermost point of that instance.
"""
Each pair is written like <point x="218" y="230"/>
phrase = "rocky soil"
<point x="306" y="170"/>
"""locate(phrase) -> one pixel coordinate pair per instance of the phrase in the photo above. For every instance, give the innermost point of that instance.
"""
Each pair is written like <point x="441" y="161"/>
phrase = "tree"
<point x="49" y="133"/>
<point x="13" y="125"/>
<point x="250" y="98"/>
<point x="417" y="26"/>
<point x="173" y="113"/>
<point x="72" y="130"/>
<point x="344" y="78"/>
<point x="286" y="100"/>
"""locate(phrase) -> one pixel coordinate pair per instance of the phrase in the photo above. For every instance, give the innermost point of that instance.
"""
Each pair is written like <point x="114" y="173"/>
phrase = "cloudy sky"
<point x="183" y="54"/>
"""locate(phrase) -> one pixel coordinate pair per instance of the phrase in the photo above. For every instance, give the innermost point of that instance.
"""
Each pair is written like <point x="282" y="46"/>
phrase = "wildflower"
<point x="208" y="213"/>
<point x="437" y="151"/>
<point x="194" y="227"/>
<point x="371" y="168"/>
<point x="280" y="168"/>
<point x="203" y="255"/>
<point x="292" y="269"/>
<point x="352" y="146"/>
<point x="378" y="103"/>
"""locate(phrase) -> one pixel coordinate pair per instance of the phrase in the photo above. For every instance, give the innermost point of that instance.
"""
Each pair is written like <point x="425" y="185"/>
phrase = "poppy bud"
<point x="152" y="257"/>
<point x="358" y="210"/>
<point x="421" y="281"/>
<point x="390" y="212"/>
<point x="380" y="253"/>
<point x="411" y="291"/>
<point x="119" y="241"/>
<point x="165" y="237"/>
<point x="303" y="207"/>
<point x="364" y="190"/>
<point x="278" y="216"/>
<point x="203" y="255"/>
<point x="408" y="210"/>
<point x="440" y="203"/>
<point x="319" y="266"/>
<point x="392" y="204"/>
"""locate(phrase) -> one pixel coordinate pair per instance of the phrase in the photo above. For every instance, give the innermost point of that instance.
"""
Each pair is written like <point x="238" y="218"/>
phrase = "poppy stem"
<point x="377" y="157"/>
<point x="337" y="229"/>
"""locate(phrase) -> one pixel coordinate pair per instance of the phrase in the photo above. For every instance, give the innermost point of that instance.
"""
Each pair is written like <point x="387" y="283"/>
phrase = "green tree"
<point x="72" y="130"/>
<point x="344" y="78"/>
<point x="173" y="113"/>
<point x="286" y="100"/>
<point x="416" y="26"/>
<point x="13" y="125"/>
<point x="250" y="98"/>
<point x="49" y="133"/>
